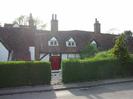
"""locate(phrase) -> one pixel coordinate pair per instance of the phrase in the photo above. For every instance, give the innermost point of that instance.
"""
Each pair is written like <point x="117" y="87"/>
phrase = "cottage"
<point x="29" y="43"/>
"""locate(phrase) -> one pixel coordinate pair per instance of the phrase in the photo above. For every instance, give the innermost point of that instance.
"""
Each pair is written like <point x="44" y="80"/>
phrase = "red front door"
<point x="55" y="62"/>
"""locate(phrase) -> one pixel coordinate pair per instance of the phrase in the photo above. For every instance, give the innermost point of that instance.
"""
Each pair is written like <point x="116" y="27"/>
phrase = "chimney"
<point x="31" y="22"/>
<point x="97" y="26"/>
<point x="54" y="23"/>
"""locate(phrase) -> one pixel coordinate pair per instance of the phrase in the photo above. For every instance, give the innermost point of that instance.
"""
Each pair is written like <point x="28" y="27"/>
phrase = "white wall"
<point x="70" y="56"/>
<point x="46" y="58"/>
<point x="64" y="56"/>
<point x="77" y="56"/>
<point x="3" y="53"/>
<point x="32" y="52"/>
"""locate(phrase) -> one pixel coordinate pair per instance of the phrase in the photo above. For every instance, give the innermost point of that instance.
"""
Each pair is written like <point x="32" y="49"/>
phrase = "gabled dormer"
<point x="16" y="25"/>
<point x="53" y="42"/>
<point x="94" y="43"/>
<point x="71" y="43"/>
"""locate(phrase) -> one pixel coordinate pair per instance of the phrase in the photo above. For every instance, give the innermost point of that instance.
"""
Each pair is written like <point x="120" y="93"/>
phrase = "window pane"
<point x="51" y="43"/>
<point x="72" y="43"/>
<point x="69" y="43"/>
<point x="55" y="43"/>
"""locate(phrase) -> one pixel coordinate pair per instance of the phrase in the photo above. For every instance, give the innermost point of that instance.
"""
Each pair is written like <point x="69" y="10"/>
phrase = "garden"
<point x="111" y="64"/>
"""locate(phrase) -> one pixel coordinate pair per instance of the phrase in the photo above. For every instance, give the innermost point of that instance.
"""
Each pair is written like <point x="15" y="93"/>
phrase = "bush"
<point x="89" y="51"/>
<point x="90" y="70"/>
<point x="102" y="56"/>
<point x="24" y="73"/>
<point x="120" y="49"/>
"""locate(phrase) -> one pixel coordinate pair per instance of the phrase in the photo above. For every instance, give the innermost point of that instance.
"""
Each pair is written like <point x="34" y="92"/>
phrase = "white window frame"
<point x="53" y="42"/>
<point x="71" y="43"/>
<point x="93" y="42"/>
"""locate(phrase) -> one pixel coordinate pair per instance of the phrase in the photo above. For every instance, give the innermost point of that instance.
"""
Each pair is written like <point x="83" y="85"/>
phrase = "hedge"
<point x="24" y="73"/>
<point x="83" y="70"/>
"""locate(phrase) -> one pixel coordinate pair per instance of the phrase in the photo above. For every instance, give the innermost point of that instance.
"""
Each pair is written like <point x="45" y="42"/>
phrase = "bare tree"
<point x="23" y="20"/>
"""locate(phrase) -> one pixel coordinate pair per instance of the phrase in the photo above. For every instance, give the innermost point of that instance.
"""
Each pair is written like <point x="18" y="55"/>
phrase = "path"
<point x="56" y="77"/>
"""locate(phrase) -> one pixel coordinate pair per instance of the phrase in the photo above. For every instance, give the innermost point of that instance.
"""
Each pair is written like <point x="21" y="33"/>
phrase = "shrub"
<point x="90" y="70"/>
<point x="24" y="73"/>
<point x="105" y="55"/>
<point x="89" y="51"/>
<point x="120" y="49"/>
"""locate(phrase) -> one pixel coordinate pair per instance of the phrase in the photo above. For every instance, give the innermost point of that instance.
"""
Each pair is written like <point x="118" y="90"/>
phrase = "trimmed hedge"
<point x="24" y="73"/>
<point x="84" y="70"/>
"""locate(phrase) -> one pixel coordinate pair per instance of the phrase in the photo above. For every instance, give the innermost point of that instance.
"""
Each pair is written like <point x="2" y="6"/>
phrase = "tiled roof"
<point x="19" y="40"/>
<point x="16" y="39"/>
<point x="82" y="38"/>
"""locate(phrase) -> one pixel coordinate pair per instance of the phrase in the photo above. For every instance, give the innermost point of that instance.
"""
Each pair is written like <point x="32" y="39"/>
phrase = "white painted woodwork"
<point x="32" y="52"/>
<point x="46" y="58"/>
<point x="3" y="53"/>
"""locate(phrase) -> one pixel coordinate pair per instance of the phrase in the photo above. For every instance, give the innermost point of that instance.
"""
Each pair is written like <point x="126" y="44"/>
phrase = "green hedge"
<point x="83" y="70"/>
<point x="24" y="73"/>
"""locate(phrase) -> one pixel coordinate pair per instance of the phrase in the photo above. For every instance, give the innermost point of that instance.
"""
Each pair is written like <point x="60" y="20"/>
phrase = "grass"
<point x="105" y="55"/>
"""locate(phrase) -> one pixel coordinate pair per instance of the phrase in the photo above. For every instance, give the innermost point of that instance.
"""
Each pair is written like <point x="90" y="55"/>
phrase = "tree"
<point x="120" y="49"/>
<point x="39" y="23"/>
<point x="128" y="34"/>
<point x="89" y="51"/>
<point x="23" y="20"/>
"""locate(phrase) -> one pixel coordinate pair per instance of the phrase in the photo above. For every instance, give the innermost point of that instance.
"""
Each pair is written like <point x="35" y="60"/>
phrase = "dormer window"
<point x="93" y="43"/>
<point x="53" y="42"/>
<point x="70" y="43"/>
<point x="16" y="25"/>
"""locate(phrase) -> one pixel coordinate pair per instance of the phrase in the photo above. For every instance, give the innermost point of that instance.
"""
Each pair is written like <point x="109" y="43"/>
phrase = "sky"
<point x="115" y="16"/>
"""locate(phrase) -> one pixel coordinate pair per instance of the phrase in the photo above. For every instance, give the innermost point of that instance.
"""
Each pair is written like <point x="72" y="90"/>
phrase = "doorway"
<point x="55" y="62"/>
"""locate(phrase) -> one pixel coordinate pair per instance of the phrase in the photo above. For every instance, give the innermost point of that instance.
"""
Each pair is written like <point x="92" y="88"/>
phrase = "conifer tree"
<point x="120" y="49"/>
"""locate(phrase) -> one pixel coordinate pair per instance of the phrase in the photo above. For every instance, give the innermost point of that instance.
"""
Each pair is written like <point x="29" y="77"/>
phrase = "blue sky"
<point x="114" y="15"/>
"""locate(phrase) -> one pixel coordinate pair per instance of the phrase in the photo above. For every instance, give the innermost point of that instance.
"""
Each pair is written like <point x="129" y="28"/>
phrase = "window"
<point x="93" y="43"/>
<point x="70" y="43"/>
<point x="16" y="25"/>
<point x="53" y="42"/>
